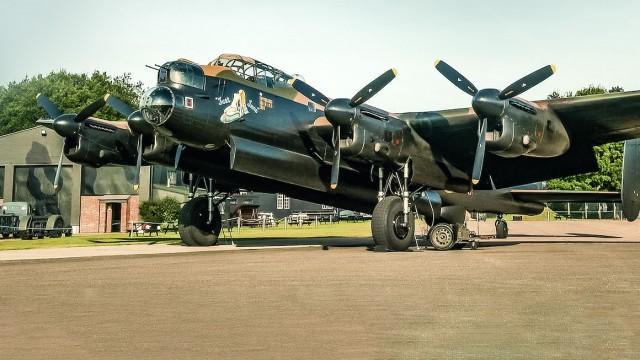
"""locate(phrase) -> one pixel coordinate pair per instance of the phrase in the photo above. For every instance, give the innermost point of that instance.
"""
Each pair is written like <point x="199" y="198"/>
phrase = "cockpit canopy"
<point x="254" y="71"/>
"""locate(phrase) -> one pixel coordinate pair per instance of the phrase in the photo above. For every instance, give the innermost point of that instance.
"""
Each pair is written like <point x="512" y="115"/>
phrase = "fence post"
<point x="264" y="223"/>
<point x="239" y="222"/>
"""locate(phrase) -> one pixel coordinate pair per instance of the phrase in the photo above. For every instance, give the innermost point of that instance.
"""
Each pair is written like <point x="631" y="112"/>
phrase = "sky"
<point x="338" y="46"/>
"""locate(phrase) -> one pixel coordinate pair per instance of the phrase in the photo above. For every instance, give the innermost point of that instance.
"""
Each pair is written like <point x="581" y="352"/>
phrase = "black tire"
<point x="194" y="228"/>
<point x="442" y="236"/>
<point x="502" y="230"/>
<point x="386" y="225"/>
<point x="57" y="225"/>
<point x="5" y="236"/>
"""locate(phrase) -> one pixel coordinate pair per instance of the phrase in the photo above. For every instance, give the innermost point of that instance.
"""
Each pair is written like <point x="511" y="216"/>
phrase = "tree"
<point x="71" y="92"/>
<point x="609" y="156"/>
<point x="165" y="210"/>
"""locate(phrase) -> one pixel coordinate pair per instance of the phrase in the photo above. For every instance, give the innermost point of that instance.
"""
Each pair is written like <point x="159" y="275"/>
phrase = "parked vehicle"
<point x="18" y="219"/>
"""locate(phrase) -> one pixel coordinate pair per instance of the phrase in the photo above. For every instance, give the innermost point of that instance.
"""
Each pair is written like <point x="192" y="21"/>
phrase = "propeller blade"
<point x="56" y="181"/>
<point x="48" y="106"/>
<point x="178" y="155"/>
<point x="90" y="110"/>
<point x="480" y="151"/>
<point x="335" y="167"/>
<point x="308" y="91"/>
<point x="120" y="106"/>
<point x="46" y="123"/>
<point x="373" y="88"/>
<point x="527" y="82"/>
<point x="136" y="180"/>
<point x="455" y="77"/>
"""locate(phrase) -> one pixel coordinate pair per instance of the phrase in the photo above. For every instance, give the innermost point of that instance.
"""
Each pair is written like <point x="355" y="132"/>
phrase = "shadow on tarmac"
<point x="333" y="241"/>
<point x="324" y="241"/>
<point x="568" y="235"/>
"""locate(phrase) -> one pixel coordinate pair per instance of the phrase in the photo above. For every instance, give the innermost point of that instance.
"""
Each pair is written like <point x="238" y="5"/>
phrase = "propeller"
<point x="118" y="105"/>
<point x="66" y="125"/>
<point x="48" y="106"/>
<point x="137" y="124"/>
<point x="136" y="181"/>
<point x="342" y="112"/>
<point x="335" y="168"/>
<point x="89" y="110"/>
<point x="479" y="158"/>
<point x="489" y="104"/>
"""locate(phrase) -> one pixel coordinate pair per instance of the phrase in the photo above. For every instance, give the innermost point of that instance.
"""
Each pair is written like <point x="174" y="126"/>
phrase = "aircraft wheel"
<point x="5" y="236"/>
<point x="194" y="228"/>
<point x="502" y="230"/>
<point x="442" y="236"/>
<point x="387" y="225"/>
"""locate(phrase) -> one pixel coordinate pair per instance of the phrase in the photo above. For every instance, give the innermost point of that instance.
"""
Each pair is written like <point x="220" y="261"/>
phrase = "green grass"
<point x="343" y="229"/>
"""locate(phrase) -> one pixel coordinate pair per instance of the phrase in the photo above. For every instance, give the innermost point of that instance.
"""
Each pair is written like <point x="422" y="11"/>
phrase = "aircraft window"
<point x="264" y="76"/>
<point x="242" y="69"/>
<point x="187" y="74"/>
<point x="255" y="71"/>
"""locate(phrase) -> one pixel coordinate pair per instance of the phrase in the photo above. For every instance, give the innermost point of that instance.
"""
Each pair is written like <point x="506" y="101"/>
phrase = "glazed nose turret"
<point x="157" y="105"/>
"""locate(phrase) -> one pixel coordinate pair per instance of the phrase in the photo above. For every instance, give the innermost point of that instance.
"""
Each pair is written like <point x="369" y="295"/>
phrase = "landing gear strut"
<point x="393" y="222"/>
<point x="502" y="230"/>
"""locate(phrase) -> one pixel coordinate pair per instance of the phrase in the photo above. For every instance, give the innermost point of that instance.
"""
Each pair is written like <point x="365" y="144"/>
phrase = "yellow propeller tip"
<point x="436" y="62"/>
<point x="395" y="71"/>
<point x="554" y="68"/>
<point x="135" y="187"/>
<point x="334" y="186"/>
<point x="475" y="181"/>
<point x="39" y="94"/>
<point x="106" y="97"/>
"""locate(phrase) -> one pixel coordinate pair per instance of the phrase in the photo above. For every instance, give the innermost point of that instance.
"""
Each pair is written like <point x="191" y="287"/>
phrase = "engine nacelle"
<point x="526" y="129"/>
<point x="376" y="140"/>
<point x="98" y="144"/>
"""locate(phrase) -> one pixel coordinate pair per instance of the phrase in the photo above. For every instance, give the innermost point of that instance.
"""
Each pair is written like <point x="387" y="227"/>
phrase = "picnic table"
<point x="144" y="227"/>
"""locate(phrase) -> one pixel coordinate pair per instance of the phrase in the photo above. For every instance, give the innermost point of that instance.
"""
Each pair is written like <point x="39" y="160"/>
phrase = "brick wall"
<point x="94" y="217"/>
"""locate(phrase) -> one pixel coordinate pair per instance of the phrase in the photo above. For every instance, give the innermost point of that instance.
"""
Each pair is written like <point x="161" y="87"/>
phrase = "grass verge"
<point x="344" y="229"/>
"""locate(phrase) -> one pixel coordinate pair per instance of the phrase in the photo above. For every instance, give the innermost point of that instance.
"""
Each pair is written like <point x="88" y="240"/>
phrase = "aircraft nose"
<point x="157" y="104"/>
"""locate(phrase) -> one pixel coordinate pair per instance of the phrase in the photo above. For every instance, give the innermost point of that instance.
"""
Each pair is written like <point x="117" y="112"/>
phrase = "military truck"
<point x="18" y="219"/>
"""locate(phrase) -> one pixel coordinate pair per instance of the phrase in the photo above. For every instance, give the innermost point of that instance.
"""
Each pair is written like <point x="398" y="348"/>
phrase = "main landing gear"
<point x="200" y="221"/>
<point x="393" y="220"/>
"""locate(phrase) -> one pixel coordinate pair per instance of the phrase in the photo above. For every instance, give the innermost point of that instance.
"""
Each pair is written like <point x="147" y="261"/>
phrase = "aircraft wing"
<point x="599" y="119"/>
<point x="547" y="196"/>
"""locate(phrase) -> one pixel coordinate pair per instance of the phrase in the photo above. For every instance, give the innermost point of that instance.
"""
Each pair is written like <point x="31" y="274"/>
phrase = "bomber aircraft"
<point x="238" y="123"/>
